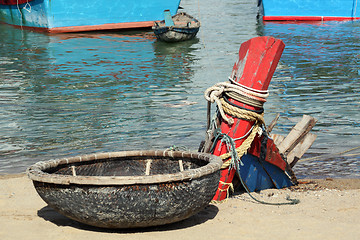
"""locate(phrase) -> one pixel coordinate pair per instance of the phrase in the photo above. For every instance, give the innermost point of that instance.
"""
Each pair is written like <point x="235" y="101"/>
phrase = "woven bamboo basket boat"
<point x="128" y="189"/>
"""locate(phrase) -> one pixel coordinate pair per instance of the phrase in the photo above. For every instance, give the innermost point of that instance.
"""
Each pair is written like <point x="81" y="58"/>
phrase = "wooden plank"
<point x="272" y="124"/>
<point x="300" y="149"/>
<point x="296" y="134"/>
<point x="277" y="138"/>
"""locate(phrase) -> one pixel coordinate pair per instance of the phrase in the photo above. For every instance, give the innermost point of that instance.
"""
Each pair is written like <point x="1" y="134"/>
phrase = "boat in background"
<point x="180" y="27"/>
<point x="308" y="10"/>
<point x="57" y="16"/>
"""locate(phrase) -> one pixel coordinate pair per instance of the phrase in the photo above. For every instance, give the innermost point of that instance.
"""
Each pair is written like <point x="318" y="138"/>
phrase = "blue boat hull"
<point x="259" y="175"/>
<point x="309" y="10"/>
<point x="85" y="15"/>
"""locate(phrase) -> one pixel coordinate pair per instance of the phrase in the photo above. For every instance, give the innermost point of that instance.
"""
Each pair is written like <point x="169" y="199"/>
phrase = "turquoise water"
<point x="71" y="94"/>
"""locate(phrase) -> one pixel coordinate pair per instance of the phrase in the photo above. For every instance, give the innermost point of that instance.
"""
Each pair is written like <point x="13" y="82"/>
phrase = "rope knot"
<point x="240" y="93"/>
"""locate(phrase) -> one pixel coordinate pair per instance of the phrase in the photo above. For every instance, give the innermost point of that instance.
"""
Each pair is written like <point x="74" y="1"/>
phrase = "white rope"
<point x="214" y="93"/>
<point x="219" y="88"/>
<point x="249" y="88"/>
<point x="27" y="5"/>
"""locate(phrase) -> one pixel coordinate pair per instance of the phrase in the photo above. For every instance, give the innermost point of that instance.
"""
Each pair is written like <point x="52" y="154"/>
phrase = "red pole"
<point x="258" y="58"/>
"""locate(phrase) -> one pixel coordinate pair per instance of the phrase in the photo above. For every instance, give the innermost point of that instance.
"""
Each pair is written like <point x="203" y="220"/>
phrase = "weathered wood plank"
<point x="272" y="124"/>
<point x="296" y="134"/>
<point x="300" y="149"/>
<point x="277" y="138"/>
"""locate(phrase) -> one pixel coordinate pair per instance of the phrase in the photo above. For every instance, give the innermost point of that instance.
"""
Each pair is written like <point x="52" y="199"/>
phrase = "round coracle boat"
<point x="128" y="189"/>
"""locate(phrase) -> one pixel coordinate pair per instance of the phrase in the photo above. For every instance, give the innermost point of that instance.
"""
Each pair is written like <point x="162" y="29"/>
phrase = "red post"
<point x="258" y="58"/>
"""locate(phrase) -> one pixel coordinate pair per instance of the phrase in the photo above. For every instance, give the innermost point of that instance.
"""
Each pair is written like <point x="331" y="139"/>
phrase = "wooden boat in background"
<point x="55" y="16"/>
<point x="309" y="10"/>
<point x="180" y="27"/>
<point x="128" y="189"/>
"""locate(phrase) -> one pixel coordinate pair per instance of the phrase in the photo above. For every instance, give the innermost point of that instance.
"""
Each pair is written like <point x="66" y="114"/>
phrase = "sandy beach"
<point x="328" y="209"/>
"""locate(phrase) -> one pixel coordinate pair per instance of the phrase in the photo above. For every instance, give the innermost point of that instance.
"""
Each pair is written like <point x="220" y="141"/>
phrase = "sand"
<point x="328" y="209"/>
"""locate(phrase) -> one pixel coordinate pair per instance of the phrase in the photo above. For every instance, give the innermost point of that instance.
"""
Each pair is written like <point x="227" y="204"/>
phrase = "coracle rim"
<point x="36" y="172"/>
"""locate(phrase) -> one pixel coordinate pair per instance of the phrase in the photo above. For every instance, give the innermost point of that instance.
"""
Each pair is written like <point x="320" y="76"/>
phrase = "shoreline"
<point x="328" y="208"/>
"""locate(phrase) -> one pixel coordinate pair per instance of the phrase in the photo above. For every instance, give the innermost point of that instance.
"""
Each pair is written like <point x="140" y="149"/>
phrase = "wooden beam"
<point x="277" y="138"/>
<point x="272" y="124"/>
<point x="296" y="134"/>
<point x="301" y="148"/>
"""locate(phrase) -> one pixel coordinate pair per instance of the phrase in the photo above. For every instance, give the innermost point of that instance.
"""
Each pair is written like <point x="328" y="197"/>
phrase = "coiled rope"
<point x="216" y="94"/>
<point x="237" y="92"/>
